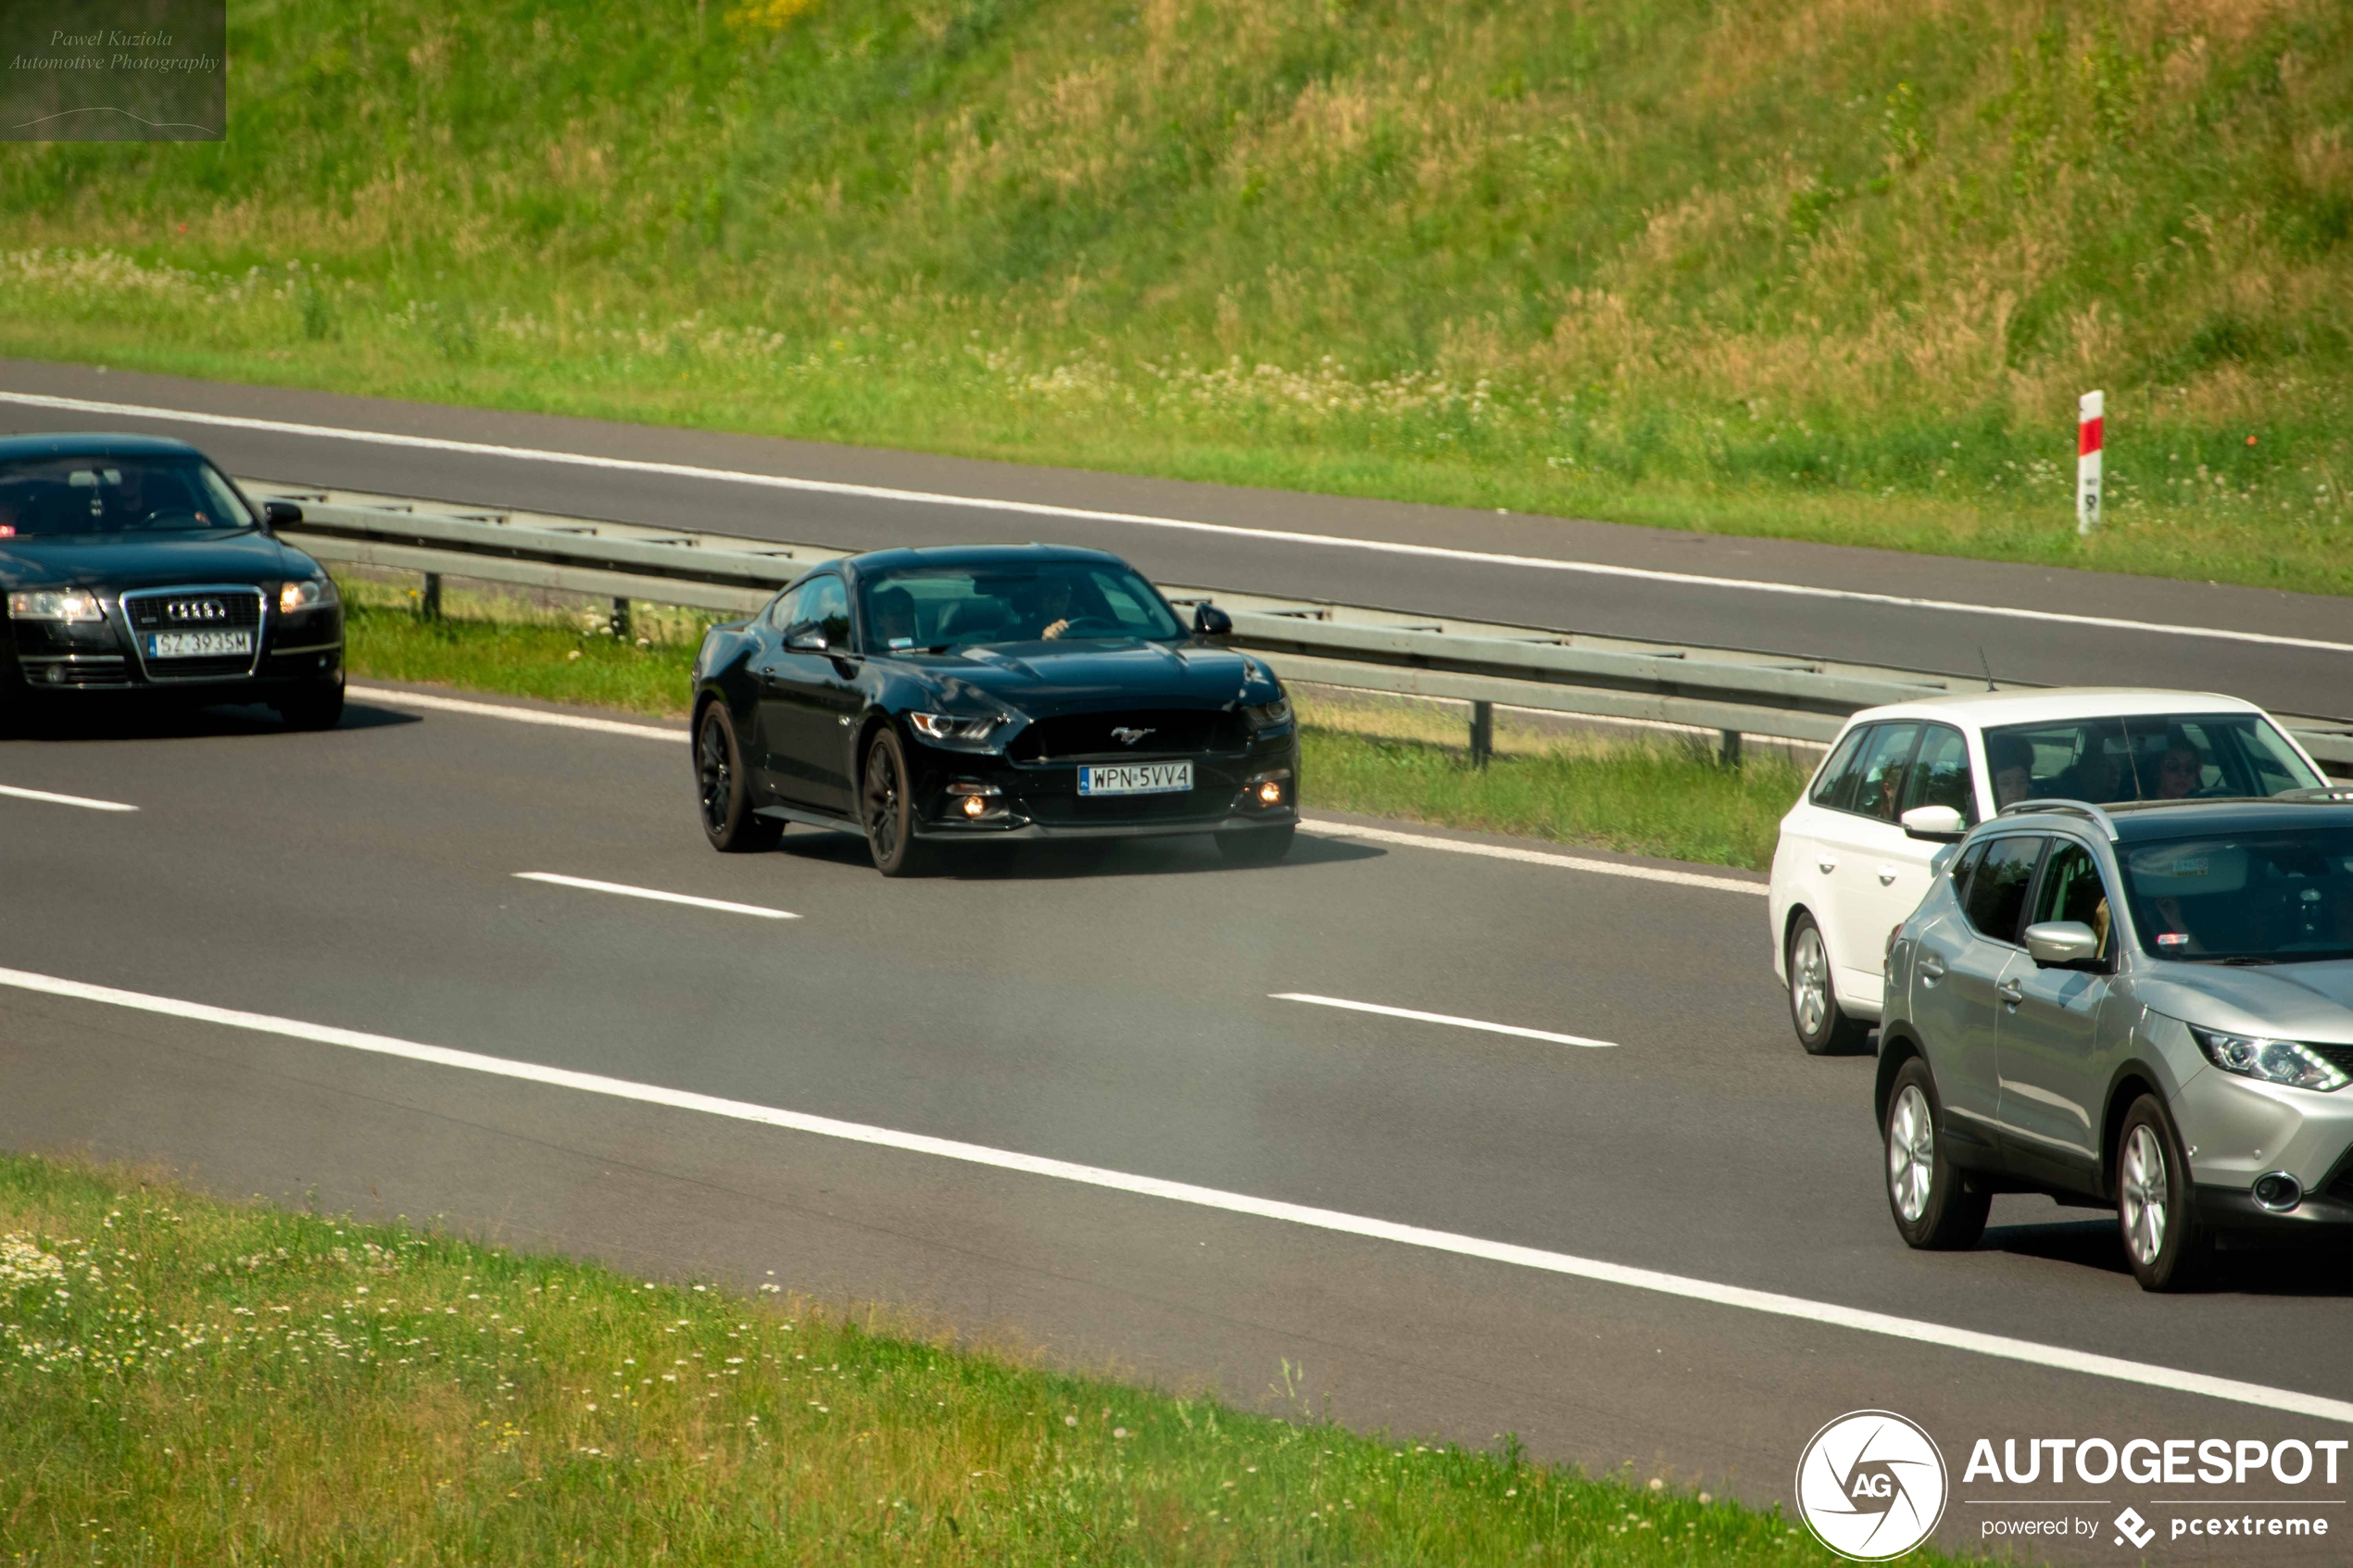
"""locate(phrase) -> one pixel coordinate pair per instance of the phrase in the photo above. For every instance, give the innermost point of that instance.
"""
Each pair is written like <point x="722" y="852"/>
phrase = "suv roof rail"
<point x="2106" y="823"/>
<point x="2322" y="795"/>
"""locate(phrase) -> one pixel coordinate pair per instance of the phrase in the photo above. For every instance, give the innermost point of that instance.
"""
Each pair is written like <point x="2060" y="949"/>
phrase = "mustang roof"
<point x="92" y="444"/>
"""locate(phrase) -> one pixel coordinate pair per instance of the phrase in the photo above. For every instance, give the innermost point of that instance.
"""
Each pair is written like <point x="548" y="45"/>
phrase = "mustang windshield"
<point x="939" y="608"/>
<point x="2281" y="897"/>
<point x="2154" y="757"/>
<point x="114" y="495"/>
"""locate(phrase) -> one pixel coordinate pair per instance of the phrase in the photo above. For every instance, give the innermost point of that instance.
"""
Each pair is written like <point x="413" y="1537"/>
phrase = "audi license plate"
<point x="1137" y="778"/>
<point x="196" y="644"/>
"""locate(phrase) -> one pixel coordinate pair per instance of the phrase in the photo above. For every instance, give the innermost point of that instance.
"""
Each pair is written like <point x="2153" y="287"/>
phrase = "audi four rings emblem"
<point x="1128" y="738"/>
<point x="195" y="609"/>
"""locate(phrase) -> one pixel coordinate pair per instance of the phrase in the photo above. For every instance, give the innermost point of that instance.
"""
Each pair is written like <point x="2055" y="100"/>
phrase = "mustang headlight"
<point x="955" y="729"/>
<point x="56" y="604"/>
<point x="2274" y="1061"/>
<point x="1269" y="715"/>
<point x="308" y="593"/>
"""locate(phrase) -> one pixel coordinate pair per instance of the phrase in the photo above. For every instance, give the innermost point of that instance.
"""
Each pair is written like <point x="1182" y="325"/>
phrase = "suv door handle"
<point x="1887" y="875"/>
<point x="2011" y="992"/>
<point x="1931" y="967"/>
<point x="1828" y="863"/>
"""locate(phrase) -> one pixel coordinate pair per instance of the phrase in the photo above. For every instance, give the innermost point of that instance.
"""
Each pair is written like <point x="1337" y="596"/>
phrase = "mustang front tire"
<point x="887" y="808"/>
<point x="723" y="791"/>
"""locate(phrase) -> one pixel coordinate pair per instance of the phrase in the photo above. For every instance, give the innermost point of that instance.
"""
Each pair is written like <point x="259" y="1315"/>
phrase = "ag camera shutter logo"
<point x="1871" y="1484"/>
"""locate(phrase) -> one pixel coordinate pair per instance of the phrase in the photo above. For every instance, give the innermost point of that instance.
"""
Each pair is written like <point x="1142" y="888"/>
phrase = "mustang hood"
<point x="2295" y="1001"/>
<point x="1045" y="678"/>
<point x="115" y="561"/>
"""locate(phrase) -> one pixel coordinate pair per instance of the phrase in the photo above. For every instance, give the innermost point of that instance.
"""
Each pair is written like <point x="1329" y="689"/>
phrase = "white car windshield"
<point x="2151" y="757"/>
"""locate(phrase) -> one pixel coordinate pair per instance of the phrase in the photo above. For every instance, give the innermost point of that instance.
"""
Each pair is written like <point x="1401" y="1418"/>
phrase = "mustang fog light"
<point x="976" y="806"/>
<point x="975" y="800"/>
<point x="1266" y="789"/>
<point x="1271" y="793"/>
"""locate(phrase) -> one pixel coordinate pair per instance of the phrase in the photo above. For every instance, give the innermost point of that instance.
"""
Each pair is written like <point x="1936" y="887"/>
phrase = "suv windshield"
<point x="933" y="609"/>
<point x="2280" y="897"/>
<point x="2159" y="757"/>
<point x="114" y="495"/>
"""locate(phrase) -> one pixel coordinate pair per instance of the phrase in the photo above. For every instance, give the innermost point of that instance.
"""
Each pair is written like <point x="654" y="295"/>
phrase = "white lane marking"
<point x="1442" y="1018"/>
<point x="1534" y="857"/>
<point x="658" y="896"/>
<point x="1998" y="1346"/>
<point x="520" y="715"/>
<point x="81" y="800"/>
<point x="1145" y="519"/>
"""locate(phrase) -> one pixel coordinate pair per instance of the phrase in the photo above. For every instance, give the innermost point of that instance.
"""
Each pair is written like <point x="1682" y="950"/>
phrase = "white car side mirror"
<point x="1940" y="824"/>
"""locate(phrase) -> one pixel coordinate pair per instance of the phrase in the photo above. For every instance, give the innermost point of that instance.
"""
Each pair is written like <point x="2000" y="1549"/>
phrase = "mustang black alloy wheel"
<point x="888" y="808"/>
<point x="727" y="819"/>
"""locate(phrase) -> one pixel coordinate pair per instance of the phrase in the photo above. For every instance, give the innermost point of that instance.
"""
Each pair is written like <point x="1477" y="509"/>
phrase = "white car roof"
<point x="1983" y="709"/>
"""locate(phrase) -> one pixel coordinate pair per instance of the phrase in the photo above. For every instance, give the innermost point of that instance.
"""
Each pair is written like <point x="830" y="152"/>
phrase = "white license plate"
<point x="196" y="644"/>
<point x="1137" y="778"/>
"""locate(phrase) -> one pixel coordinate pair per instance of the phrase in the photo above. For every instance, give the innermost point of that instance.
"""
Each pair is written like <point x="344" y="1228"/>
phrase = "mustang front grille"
<point x="1105" y="738"/>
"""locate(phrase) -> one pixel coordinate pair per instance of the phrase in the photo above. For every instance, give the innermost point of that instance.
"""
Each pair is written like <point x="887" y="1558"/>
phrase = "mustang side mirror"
<point x="807" y="637"/>
<point x="1938" y="824"/>
<point x="2063" y="944"/>
<point x="1211" y="621"/>
<point x="278" y="514"/>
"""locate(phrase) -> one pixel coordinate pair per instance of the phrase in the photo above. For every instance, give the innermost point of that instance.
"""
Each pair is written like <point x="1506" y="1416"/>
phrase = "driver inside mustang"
<point x="1046" y="606"/>
<point x="895" y="617"/>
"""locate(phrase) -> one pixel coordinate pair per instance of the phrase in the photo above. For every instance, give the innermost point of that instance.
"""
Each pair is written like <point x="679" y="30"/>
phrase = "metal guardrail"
<point x="1731" y="690"/>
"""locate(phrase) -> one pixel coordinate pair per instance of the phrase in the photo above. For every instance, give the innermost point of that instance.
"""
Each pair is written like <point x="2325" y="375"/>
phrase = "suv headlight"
<point x="955" y="729"/>
<point x="56" y="604"/>
<point x="1269" y="715"/>
<point x="308" y="593"/>
<point x="2274" y="1061"/>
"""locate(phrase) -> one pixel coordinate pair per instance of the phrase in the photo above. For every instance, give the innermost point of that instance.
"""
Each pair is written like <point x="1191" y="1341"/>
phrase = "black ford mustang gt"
<point x="999" y="692"/>
<point x="131" y="564"/>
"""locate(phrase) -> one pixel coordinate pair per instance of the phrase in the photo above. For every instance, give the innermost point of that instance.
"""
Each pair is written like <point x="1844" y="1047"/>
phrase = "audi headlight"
<point x="308" y="593"/>
<point x="955" y="729"/>
<point x="56" y="604"/>
<point x="2274" y="1061"/>
<point x="1269" y="715"/>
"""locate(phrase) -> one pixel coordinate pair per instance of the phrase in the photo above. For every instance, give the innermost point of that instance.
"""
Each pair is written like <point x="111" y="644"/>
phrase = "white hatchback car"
<point x="1902" y="780"/>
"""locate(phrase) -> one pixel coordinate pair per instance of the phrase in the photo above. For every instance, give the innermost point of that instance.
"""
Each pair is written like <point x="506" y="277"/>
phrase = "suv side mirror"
<point x="1211" y="621"/>
<point x="278" y="514"/>
<point x="1938" y="824"/>
<point x="2063" y="944"/>
<point x="807" y="637"/>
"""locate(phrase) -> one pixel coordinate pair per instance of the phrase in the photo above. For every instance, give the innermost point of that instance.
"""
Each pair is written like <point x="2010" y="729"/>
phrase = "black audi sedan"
<point x="936" y="696"/>
<point x="131" y="564"/>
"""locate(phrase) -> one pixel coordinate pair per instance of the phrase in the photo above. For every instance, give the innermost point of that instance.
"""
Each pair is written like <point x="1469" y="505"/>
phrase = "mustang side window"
<point x="2071" y="890"/>
<point x="828" y="604"/>
<point x="786" y="608"/>
<point x="1997" y="893"/>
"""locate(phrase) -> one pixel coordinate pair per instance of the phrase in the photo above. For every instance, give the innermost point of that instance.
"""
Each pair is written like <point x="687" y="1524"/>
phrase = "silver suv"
<point x="2148" y="1007"/>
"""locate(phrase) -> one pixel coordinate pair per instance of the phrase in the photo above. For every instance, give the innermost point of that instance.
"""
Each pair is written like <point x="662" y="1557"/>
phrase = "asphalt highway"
<point x="2140" y="632"/>
<point x="1119" y="1011"/>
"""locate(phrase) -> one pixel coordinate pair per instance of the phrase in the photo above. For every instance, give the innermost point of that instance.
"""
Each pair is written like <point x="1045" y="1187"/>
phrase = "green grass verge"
<point x="1644" y="797"/>
<point x="186" y="1381"/>
<point x="1805" y="268"/>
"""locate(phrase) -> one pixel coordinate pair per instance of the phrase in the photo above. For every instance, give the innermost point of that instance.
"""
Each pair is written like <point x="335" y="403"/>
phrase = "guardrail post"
<point x="429" y="602"/>
<point x="621" y="619"/>
<point x="1482" y="736"/>
<point x="1729" y="754"/>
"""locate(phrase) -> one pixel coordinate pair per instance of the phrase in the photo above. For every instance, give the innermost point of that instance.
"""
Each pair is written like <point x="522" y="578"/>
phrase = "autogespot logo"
<point x="1871" y="1484"/>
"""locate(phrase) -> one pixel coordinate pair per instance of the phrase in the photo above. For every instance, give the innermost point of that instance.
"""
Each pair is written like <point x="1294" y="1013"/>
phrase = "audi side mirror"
<point x="2063" y="944"/>
<point x="281" y="514"/>
<point x="1211" y="621"/>
<point x="807" y="637"/>
<point x="1938" y="824"/>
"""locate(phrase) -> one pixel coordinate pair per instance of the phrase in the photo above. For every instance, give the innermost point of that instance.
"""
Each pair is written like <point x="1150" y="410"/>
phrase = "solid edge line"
<point x="657" y="895"/>
<point x="1144" y="519"/>
<point x="519" y="715"/>
<point x="1439" y="1018"/>
<point x="1996" y="1346"/>
<point x="81" y="800"/>
<point x="1534" y="857"/>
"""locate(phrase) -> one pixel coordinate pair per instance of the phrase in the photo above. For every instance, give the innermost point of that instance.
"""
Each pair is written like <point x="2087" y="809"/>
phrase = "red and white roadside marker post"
<point x="2088" y="409"/>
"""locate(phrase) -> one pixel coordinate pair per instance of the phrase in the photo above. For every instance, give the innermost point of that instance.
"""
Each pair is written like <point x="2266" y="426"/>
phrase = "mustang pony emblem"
<point x="1128" y="738"/>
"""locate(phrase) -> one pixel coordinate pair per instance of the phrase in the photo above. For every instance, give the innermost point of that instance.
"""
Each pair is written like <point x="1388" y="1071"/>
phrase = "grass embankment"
<point x="1801" y="266"/>
<point x="1646" y="796"/>
<point x="183" y="1381"/>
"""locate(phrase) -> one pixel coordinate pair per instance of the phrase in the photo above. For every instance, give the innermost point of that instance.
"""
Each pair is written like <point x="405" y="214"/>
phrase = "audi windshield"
<point x="116" y="495"/>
